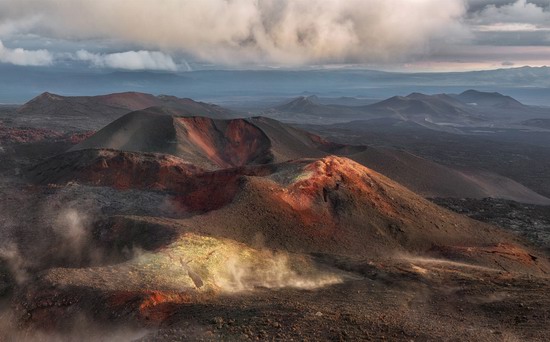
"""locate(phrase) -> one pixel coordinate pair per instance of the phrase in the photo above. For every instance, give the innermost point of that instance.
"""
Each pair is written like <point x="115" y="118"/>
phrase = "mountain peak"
<point x="48" y="96"/>
<point x="300" y="103"/>
<point x="471" y="92"/>
<point x="313" y="98"/>
<point x="416" y="95"/>
<point x="482" y="98"/>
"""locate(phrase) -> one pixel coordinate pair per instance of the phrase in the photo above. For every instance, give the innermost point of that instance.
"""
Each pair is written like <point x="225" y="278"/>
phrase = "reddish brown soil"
<point x="227" y="144"/>
<point x="78" y="137"/>
<point x="26" y="135"/>
<point x="121" y="170"/>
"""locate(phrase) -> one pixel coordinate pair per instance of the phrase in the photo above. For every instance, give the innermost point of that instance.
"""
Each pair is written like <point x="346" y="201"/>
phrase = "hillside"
<point x="302" y="206"/>
<point x="209" y="143"/>
<point x="417" y="107"/>
<point x="92" y="112"/>
<point x="227" y="229"/>
<point x="471" y="108"/>
<point x="485" y="99"/>
<point x="214" y="144"/>
<point x="430" y="179"/>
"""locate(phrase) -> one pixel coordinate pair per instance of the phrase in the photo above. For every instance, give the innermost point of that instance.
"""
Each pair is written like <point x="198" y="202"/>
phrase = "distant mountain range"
<point x="311" y="105"/>
<point x="93" y="112"/>
<point x="469" y="108"/>
<point x="19" y="84"/>
<point x="485" y="99"/>
<point x="447" y="112"/>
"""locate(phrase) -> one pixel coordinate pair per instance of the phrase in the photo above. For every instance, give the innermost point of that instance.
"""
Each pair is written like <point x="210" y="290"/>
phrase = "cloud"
<point x="511" y="27"/>
<point x="478" y="5"/>
<point x="20" y="56"/>
<point x="511" y="23"/>
<point x="244" y="31"/>
<point x="130" y="60"/>
<point x="520" y="14"/>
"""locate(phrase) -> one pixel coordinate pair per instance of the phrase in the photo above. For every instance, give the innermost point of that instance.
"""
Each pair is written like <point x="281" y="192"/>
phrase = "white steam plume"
<point x="72" y="228"/>
<point x="243" y="31"/>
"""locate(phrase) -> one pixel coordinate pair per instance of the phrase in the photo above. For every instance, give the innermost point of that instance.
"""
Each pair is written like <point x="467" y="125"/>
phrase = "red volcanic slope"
<point x="334" y="205"/>
<point x="224" y="143"/>
<point x="121" y="170"/>
<point x="193" y="187"/>
<point x="208" y="143"/>
<point x="331" y="205"/>
<point x="214" y="144"/>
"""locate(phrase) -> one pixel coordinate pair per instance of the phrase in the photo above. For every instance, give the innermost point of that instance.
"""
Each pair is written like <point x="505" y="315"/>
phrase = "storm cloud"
<point x="518" y="23"/>
<point x="243" y="31"/>
<point x="517" y="16"/>
<point x="161" y="35"/>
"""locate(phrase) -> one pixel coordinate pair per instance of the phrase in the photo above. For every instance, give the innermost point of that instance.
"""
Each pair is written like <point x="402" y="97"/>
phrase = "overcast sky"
<point x="180" y="35"/>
